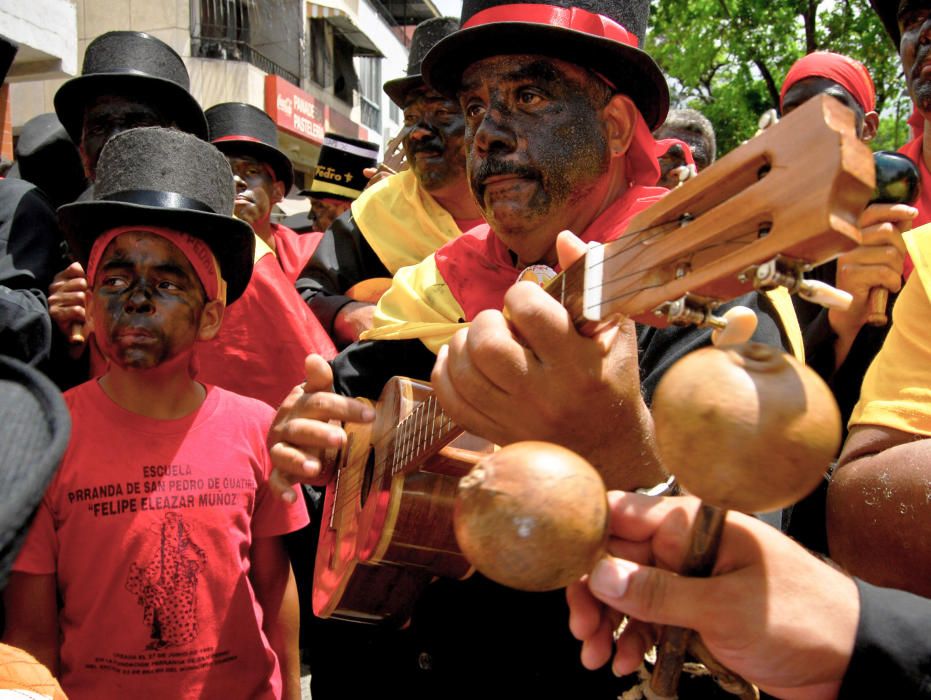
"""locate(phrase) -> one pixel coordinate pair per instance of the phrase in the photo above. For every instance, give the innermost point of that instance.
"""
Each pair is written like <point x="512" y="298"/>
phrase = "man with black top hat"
<point x="128" y="79"/>
<point x="339" y="177"/>
<point x="404" y="218"/>
<point x="558" y="137"/>
<point x="157" y="533"/>
<point x="30" y="255"/>
<point x="259" y="351"/>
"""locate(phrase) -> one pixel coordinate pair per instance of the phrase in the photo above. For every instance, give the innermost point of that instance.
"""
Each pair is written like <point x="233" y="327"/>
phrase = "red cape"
<point x="477" y="266"/>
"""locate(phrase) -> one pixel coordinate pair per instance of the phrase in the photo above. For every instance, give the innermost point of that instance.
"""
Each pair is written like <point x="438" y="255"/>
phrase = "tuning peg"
<point x="824" y="295"/>
<point x="735" y="327"/>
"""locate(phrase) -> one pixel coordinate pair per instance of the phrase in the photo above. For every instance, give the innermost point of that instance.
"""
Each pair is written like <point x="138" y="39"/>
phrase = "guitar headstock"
<point x="796" y="192"/>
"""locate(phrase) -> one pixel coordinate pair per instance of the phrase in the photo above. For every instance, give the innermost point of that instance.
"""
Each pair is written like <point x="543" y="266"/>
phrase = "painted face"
<point x="914" y="19"/>
<point x="805" y="89"/>
<point x="537" y="147"/>
<point x="146" y="302"/>
<point x="433" y="138"/>
<point x="324" y="211"/>
<point x="255" y="189"/>
<point x="108" y="116"/>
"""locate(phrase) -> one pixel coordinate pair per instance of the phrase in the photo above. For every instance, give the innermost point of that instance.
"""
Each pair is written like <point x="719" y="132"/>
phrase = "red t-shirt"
<point x="148" y="527"/>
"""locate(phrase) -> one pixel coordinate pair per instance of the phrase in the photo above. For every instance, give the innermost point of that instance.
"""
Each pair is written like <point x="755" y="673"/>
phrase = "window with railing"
<point x="265" y="33"/>
<point x="370" y="91"/>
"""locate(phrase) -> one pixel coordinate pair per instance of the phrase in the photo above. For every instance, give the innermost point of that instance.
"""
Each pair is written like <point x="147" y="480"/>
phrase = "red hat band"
<point x="566" y="17"/>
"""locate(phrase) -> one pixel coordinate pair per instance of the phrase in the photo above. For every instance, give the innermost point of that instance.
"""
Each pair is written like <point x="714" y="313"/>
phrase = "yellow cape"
<point x="420" y="305"/>
<point x="896" y="391"/>
<point x="401" y="221"/>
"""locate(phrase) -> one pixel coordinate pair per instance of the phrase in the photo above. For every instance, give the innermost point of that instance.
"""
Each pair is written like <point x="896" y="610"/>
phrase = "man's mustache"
<point x="492" y="168"/>
<point x="434" y="144"/>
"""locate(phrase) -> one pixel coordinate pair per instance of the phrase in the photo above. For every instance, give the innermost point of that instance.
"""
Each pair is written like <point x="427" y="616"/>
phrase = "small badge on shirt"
<point x="538" y="274"/>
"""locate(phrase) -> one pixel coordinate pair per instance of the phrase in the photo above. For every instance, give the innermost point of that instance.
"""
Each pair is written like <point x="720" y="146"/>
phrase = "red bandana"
<point x="843" y="70"/>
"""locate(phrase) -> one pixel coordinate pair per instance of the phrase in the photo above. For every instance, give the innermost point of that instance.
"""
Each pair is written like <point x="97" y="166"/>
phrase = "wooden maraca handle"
<point x="699" y="561"/>
<point x="876" y="304"/>
<point x="76" y="335"/>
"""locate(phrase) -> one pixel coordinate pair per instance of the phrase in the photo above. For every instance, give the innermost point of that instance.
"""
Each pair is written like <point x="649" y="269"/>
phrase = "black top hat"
<point x="34" y="431"/>
<point x="601" y="35"/>
<point x="338" y="174"/>
<point x="136" y="64"/>
<point x="426" y="34"/>
<point x="7" y="53"/>
<point x="888" y="11"/>
<point x="237" y="128"/>
<point x="47" y="157"/>
<point x="145" y="177"/>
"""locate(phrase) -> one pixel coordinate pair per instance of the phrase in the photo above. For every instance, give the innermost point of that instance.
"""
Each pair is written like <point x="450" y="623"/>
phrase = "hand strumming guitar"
<point x="532" y="376"/>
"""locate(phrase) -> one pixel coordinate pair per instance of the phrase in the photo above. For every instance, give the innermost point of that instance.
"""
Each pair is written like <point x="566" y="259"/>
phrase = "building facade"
<point x="313" y="66"/>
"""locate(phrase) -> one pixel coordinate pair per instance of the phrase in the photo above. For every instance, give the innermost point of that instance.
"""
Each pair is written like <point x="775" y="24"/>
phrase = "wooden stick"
<point x="699" y="561"/>
<point x="879" y="298"/>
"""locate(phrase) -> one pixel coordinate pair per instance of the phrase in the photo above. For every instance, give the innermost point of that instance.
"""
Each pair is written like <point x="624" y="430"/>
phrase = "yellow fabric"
<point x="418" y="305"/>
<point x="261" y="250"/>
<point x="401" y="222"/>
<point x="782" y="301"/>
<point x="896" y="391"/>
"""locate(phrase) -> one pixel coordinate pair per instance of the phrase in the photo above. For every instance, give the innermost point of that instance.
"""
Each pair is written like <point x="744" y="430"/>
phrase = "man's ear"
<point x="277" y="191"/>
<point x="620" y="115"/>
<point x="870" y="126"/>
<point x="211" y="319"/>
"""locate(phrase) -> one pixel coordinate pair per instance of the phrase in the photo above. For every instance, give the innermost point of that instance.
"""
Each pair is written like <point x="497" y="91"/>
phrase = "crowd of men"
<point x="161" y="521"/>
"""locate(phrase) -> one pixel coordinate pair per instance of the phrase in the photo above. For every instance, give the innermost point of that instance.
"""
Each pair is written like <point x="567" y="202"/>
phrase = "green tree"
<point x="727" y="58"/>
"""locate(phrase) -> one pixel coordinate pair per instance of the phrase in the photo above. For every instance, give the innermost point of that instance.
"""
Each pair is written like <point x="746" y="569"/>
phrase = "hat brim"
<point x="279" y="162"/>
<point x="888" y="13"/>
<point x="231" y="240"/>
<point x="36" y="428"/>
<point x="72" y="98"/>
<point x="397" y="89"/>
<point x="632" y="72"/>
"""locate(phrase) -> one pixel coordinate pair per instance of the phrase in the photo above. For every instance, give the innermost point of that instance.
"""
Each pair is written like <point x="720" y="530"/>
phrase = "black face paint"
<point x="433" y="138"/>
<point x="255" y="189"/>
<point x="147" y="301"/>
<point x="536" y="139"/>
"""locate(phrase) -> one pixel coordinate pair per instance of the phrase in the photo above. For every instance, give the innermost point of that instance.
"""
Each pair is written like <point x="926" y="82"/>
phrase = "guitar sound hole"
<point x="367" y="475"/>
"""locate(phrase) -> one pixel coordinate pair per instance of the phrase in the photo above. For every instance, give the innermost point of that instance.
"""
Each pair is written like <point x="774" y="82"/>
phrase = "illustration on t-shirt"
<point x="167" y="585"/>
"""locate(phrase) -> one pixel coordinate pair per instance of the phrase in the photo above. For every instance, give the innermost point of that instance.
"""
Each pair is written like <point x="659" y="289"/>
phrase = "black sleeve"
<point x="30" y="255"/>
<point x="892" y="654"/>
<point x="365" y="367"/>
<point x="342" y="259"/>
<point x="659" y="348"/>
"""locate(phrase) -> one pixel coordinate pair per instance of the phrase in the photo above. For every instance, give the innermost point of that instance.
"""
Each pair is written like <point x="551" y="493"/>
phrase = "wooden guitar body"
<point x="387" y="527"/>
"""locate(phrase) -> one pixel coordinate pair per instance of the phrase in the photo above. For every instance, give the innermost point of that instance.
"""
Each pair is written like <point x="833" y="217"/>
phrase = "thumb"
<point x="318" y="373"/>
<point x="650" y="594"/>
<point x="569" y="248"/>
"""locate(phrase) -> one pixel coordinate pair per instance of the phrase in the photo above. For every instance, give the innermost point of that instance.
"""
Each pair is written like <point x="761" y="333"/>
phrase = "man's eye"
<point x="910" y="19"/>
<point x="526" y="97"/>
<point x="114" y="282"/>
<point x="170" y="286"/>
<point x="474" y="109"/>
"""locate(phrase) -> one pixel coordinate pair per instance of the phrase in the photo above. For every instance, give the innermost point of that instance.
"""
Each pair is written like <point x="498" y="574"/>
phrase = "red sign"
<point x="294" y="110"/>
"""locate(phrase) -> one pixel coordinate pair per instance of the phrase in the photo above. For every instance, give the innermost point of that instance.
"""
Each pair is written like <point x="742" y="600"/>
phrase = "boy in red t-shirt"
<point x="159" y="534"/>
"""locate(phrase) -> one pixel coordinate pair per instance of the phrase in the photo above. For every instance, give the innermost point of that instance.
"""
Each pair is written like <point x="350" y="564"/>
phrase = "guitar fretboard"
<point x="420" y="435"/>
